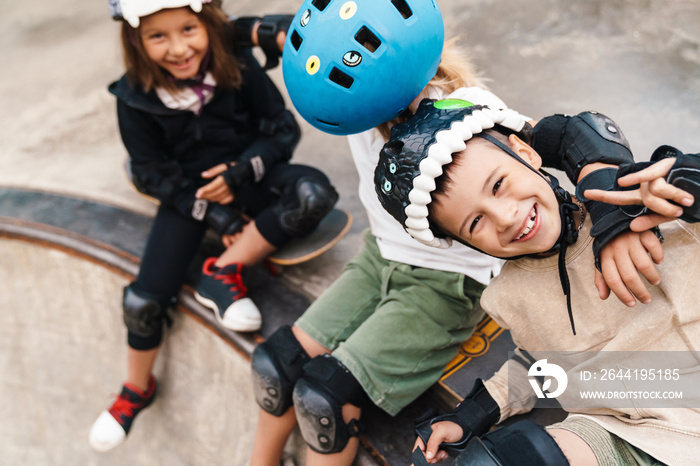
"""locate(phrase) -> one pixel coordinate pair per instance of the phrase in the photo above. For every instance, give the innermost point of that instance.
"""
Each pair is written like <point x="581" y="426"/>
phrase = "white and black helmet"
<point x="133" y="10"/>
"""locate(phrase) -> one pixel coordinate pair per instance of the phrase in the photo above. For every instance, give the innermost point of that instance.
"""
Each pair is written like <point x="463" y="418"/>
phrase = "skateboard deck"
<point x="479" y="357"/>
<point x="332" y="229"/>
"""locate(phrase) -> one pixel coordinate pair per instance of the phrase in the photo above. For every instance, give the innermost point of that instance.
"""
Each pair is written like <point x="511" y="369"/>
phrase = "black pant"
<point x="175" y="238"/>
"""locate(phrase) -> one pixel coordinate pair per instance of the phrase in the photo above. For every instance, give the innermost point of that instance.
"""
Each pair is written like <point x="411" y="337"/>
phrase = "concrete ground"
<point x="638" y="61"/>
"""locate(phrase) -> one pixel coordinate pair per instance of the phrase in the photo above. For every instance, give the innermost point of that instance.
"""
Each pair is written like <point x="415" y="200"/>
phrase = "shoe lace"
<point x="235" y="280"/>
<point x="123" y="407"/>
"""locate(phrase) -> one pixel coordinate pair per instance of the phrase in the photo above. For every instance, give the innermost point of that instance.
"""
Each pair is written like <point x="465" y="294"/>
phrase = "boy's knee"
<point x="277" y="366"/>
<point x="324" y="398"/>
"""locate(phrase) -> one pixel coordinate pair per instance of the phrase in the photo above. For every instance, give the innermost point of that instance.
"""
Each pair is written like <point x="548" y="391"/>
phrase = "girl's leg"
<point x="169" y="250"/>
<point x="249" y="248"/>
<point x="171" y="246"/>
<point x="289" y="202"/>
<point x="140" y="366"/>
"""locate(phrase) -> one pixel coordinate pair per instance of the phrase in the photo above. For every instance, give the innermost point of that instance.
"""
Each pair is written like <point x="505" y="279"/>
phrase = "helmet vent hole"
<point x="367" y="39"/>
<point x="340" y="78"/>
<point x="327" y="123"/>
<point x="321" y="4"/>
<point x="403" y="8"/>
<point x="393" y="148"/>
<point x="296" y="40"/>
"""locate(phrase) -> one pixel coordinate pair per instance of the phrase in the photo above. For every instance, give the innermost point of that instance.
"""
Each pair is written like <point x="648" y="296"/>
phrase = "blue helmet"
<point x="351" y="65"/>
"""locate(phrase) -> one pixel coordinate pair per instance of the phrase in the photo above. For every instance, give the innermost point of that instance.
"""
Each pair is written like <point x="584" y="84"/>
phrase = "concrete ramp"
<point x="63" y="352"/>
<point x="63" y="345"/>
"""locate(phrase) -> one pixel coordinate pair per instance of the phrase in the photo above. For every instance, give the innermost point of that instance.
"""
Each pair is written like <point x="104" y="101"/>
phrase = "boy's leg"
<point x="329" y="320"/>
<point x="576" y="450"/>
<point x="581" y="438"/>
<point x="393" y="353"/>
<point x="271" y="435"/>
<point x="404" y="346"/>
<point x="345" y="457"/>
<point x="273" y="431"/>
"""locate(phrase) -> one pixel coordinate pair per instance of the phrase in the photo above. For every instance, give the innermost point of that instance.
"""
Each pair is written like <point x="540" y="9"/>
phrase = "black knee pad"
<point x="521" y="444"/>
<point x="305" y="206"/>
<point x="143" y="315"/>
<point x="319" y="397"/>
<point x="277" y="365"/>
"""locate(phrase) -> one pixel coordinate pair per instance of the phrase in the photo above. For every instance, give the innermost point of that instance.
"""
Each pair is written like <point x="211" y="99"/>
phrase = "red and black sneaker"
<point x="222" y="290"/>
<point x="112" y="426"/>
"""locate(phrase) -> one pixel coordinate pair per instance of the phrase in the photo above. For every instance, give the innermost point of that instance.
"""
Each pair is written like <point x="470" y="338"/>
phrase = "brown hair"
<point x="454" y="71"/>
<point x="223" y="65"/>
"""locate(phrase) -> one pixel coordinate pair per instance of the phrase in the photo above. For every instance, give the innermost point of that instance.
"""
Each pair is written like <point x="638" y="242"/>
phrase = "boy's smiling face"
<point x="497" y="204"/>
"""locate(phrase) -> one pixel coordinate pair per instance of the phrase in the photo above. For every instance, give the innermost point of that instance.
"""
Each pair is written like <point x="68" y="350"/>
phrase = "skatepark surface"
<point x="62" y="342"/>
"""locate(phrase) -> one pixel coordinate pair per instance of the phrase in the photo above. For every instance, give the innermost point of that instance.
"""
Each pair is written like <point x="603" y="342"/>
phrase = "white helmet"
<point x="132" y="10"/>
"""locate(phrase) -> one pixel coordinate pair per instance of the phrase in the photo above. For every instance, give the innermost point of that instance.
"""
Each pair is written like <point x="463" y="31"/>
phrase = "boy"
<point x="493" y="197"/>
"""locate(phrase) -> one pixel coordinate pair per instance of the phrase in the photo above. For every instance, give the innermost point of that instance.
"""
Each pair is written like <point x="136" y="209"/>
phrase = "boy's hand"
<point x="443" y="431"/>
<point x="217" y="190"/>
<point x="622" y="261"/>
<point x="654" y="192"/>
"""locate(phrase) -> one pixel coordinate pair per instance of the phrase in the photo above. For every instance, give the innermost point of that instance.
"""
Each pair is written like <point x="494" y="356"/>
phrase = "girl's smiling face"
<point x="497" y="204"/>
<point x="176" y="40"/>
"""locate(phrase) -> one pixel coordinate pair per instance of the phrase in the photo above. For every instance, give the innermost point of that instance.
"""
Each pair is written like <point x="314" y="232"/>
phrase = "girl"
<point x="209" y="137"/>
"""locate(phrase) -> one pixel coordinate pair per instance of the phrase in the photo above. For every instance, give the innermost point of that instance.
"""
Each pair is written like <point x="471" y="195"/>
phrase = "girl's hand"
<point x="443" y="431"/>
<point x="623" y="260"/>
<point x="654" y="192"/>
<point x="217" y="190"/>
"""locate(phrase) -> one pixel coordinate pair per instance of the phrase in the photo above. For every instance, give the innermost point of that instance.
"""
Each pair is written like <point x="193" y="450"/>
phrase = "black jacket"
<point x="169" y="148"/>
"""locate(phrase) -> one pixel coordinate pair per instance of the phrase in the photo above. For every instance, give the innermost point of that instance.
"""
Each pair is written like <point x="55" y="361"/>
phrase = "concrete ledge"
<point x="53" y="229"/>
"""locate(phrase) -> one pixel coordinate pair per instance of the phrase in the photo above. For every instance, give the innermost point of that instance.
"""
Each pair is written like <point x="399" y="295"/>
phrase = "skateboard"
<point x="334" y="226"/>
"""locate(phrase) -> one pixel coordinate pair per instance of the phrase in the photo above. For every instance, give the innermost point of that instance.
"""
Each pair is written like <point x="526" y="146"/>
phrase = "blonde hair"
<point x="222" y="63"/>
<point x="454" y="71"/>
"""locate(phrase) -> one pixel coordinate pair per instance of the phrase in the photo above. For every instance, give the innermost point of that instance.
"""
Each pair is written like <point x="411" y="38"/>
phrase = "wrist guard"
<point x="243" y="28"/>
<point x="569" y="143"/>
<point x="608" y="220"/>
<point x="224" y="219"/>
<point x="270" y="26"/>
<point x="684" y="174"/>
<point x="238" y="175"/>
<point x="475" y="415"/>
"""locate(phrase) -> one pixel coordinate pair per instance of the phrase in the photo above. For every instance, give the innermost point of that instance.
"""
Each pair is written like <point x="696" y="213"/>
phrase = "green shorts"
<point x="394" y="326"/>
<point x="609" y="449"/>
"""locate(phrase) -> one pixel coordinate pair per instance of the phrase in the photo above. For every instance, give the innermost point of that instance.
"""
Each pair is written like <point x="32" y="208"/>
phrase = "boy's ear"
<point x="525" y="152"/>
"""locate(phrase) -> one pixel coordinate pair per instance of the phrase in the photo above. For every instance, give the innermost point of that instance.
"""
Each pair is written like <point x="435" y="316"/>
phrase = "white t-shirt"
<point x="393" y="241"/>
